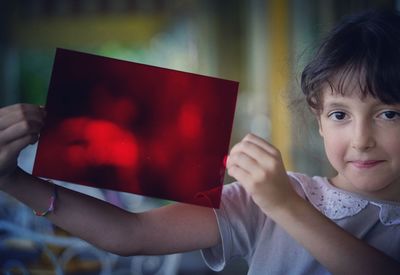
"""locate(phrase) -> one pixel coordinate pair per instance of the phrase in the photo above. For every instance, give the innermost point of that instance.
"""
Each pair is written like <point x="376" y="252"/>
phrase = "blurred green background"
<point x="262" y="44"/>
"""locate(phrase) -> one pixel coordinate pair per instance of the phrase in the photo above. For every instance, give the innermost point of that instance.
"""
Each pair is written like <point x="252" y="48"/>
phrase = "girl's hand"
<point x="20" y="125"/>
<point x="258" y="166"/>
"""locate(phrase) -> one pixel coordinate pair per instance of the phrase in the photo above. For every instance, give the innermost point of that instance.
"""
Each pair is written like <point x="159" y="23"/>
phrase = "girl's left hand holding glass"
<point x="20" y="126"/>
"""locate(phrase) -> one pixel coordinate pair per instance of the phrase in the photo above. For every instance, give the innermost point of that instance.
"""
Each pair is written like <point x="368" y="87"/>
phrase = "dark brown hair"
<point x="366" y="46"/>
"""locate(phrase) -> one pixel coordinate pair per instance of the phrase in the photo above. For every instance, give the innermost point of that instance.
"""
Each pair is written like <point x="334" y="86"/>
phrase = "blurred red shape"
<point x="136" y="128"/>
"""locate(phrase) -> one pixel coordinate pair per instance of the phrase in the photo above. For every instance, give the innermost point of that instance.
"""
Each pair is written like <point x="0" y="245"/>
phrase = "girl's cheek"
<point x="335" y="150"/>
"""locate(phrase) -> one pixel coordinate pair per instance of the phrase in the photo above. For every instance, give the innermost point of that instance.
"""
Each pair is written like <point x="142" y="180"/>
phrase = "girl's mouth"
<point x="365" y="164"/>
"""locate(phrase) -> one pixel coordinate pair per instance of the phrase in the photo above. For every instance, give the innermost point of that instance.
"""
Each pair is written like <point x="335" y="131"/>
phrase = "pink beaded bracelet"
<point x="51" y="206"/>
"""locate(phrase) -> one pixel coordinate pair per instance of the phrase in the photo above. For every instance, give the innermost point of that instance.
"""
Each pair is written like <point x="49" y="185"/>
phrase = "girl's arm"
<point x="259" y="167"/>
<point x="170" y="229"/>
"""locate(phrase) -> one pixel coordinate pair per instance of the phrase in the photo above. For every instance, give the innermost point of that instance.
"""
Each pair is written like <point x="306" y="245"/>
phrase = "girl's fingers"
<point x="8" y="157"/>
<point x="33" y="138"/>
<point x="238" y="173"/>
<point x="19" y="120"/>
<point x="14" y="113"/>
<point x="20" y="126"/>
<point x="241" y="160"/>
<point x="17" y="145"/>
<point x="262" y="143"/>
<point x="256" y="157"/>
<point x="18" y="130"/>
<point x="260" y="156"/>
<point x="18" y="108"/>
<point x="243" y="167"/>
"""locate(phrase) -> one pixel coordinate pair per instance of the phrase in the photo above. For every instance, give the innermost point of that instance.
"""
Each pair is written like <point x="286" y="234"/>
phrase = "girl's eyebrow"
<point x="334" y="104"/>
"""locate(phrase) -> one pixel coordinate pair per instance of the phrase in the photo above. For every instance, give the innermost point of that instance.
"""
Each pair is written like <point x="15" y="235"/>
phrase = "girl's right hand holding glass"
<point x="20" y="125"/>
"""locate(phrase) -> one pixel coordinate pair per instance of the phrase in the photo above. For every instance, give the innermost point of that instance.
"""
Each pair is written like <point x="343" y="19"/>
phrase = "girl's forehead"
<point x="344" y="92"/>
<point x="329" y="95"/>
<point x="348" y="81"/>
<point x="330" y="92"/>
<point x="348" y="97"/>
<point x="348" y="84"/>
<point x="354" y="101"/>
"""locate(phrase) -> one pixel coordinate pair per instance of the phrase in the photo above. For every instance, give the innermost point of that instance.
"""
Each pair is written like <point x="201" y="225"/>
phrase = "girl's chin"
<point x="358" y="184"/>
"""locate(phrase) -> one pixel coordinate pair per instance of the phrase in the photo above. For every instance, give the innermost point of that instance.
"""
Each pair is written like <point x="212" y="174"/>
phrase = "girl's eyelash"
<point x="390" y="115"/>
<point x="337" y="115"/>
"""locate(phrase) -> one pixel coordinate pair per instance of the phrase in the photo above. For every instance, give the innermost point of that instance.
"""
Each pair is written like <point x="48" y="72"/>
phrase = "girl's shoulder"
<point x="336" y="203"/>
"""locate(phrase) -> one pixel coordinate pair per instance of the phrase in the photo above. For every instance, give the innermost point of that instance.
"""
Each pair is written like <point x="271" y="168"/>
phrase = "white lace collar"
<point x="337" y="204"/>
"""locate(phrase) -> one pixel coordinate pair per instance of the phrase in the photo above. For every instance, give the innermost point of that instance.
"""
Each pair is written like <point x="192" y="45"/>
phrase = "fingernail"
<point x="43" y="109"/>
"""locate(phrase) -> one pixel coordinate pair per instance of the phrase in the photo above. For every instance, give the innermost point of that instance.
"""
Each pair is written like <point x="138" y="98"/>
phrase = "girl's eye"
<point x="390" y="115"/>
<point x="337" y="115"/>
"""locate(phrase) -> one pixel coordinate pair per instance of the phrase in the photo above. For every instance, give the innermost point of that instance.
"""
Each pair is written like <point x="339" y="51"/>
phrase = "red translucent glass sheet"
<point x="136" y="128"/>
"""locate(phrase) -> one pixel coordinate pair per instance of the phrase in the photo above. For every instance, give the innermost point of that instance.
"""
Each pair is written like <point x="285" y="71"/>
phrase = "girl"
<point x="281" y="223"/>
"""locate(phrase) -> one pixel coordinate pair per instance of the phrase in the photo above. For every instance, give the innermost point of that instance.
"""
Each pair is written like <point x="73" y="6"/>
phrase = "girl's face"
<point x="362" y="142"/>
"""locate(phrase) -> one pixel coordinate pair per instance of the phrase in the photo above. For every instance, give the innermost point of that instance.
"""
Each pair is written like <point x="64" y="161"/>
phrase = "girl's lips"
<point x="364" y="164"/>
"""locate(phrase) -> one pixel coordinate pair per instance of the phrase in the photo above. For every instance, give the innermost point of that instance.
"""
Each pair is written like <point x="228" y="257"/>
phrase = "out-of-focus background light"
<point x="262" y="44"/>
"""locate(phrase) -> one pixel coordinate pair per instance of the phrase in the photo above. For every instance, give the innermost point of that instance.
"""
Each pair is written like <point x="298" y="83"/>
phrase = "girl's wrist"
<point x="288" y="208"/>
<point x="9" y="180"/>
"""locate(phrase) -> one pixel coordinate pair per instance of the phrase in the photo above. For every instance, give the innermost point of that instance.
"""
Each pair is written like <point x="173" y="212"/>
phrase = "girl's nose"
<point x="363" y="137"/>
